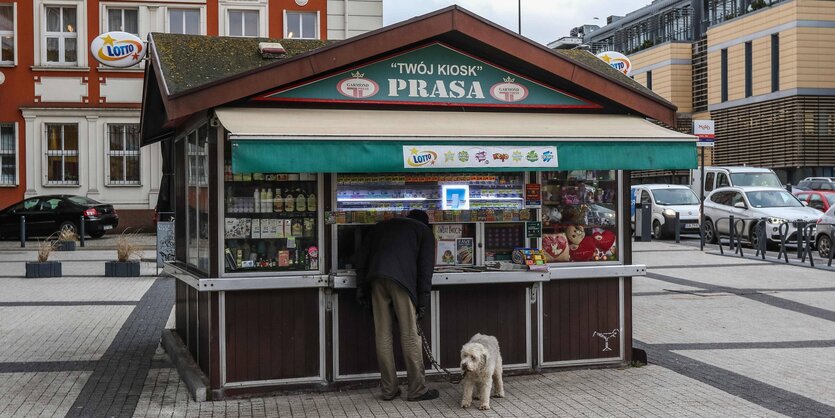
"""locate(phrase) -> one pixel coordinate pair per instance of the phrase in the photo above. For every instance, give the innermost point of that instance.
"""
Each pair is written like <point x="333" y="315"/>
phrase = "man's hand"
<point x="363" y="297"/>
<point x="421" y="312"/>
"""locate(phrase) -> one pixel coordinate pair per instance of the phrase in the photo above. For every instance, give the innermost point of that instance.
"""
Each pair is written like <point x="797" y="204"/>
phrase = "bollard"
<point x="783" y="252"/>
<point x="762" y="242"/>
<point x="22" y="232"/>
<point x="678" y="227"/>
<point x="808" y="243"/>
<point x="732" y="230"/>
<point x="646" y="222"/>
<point x="81" y="231"/>
<point x="831" y="253"/>
<point x="801" y="236"/>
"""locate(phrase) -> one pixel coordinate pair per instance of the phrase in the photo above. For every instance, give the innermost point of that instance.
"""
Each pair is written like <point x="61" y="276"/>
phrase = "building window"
<point x="649" y="80"/>
<point x="7" y="26"/>
<point x="8" y="154"/>
<point x="243" y="22"/>
<point x="123" y="154"/>
<point x="125" y="20"/>
<point x="303" y="25"/>
<point x="775" y="62"/>
<point x="748" y="70"/>
<point x="61" y="35"/>
<point x="724" y="75"/>
<point x="184" y="21"/>
<point x="62" y="153"/>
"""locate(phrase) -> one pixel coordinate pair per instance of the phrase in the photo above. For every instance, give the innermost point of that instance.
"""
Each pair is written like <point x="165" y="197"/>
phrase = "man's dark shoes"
<point x="429" y="395"/>
<point x="393" y="397"/>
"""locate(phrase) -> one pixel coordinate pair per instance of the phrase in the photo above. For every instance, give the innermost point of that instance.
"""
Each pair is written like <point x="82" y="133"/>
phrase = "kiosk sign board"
<point x="704" y="129"/>
<point x="118" y="49"/>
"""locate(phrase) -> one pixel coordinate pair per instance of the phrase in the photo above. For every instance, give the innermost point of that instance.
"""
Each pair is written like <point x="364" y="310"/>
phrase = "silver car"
<point x="750" y="205"/>
<point x="825" y="231"/>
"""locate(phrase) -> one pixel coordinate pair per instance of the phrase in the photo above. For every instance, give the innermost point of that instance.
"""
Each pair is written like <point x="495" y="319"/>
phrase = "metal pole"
<point x="678" y="228"/>
<point x="22" y="232"/>
<point x="519" y="14"/>
<point x="801" y="236"/>
<point x="732" y="229"/>
<point x="81" y="230"/>
<point x="702" y="204"/>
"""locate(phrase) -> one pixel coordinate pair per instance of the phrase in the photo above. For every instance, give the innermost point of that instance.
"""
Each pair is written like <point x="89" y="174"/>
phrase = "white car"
<point x="751" y="204"/>
<point x="666" y="201"/>
<point x="825" y="230"/>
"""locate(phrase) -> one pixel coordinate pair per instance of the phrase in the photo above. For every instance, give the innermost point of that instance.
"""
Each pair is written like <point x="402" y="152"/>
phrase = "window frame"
<point x="723" y="71"/>
<point x="15" y="151"/>
<point x="63" y="153"/>
<point x="318" y="34"/>
<point x="124" y="154"/>
<point x="202" y="20"/>
<point x="62" y="36"/>
<point x="749" y="69"/>
<point x="122" y="8"/>
<point x="13" y="34"/>
<point x="649" y="79"/>
<point x="775" y="62"/>
<point x="260" y="6"/>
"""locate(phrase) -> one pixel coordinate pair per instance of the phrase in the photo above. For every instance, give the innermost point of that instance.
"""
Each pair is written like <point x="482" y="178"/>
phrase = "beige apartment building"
<point x="763" y="70"/>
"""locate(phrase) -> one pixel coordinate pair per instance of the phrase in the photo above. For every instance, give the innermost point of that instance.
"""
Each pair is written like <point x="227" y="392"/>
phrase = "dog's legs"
<point x="497" y="379"/>
<point x="467" y="399"/>
<point x="484" y="394"/>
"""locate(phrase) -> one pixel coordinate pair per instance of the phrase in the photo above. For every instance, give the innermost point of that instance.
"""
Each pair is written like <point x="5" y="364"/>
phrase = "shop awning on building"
<point x="327" y="140"/>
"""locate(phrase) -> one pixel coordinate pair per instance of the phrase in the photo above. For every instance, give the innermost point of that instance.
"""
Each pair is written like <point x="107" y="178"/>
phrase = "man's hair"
<point x="419" y="215"/>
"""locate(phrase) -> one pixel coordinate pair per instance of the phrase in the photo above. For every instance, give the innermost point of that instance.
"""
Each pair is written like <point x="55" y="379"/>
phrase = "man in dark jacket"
<point x="394" y="273"/>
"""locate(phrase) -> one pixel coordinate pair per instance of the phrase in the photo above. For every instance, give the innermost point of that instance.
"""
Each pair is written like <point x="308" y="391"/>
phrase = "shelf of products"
<point x="579" y="217"/>
<point x="271" y="222"/>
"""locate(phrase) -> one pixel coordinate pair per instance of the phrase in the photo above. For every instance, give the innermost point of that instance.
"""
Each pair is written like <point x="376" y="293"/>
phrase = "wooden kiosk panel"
<point x="272" y="334"/>
<point x="356" y="351"/>
<point x="572" y="311"/>
<point x="495" y="309"/>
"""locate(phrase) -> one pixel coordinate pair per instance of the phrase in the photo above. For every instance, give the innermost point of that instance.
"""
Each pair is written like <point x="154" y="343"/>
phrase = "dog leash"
<point x="440" y="369"/>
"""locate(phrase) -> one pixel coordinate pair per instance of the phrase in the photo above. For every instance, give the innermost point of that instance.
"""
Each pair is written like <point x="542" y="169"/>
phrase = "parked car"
<point x="751" y="204"/>
<point x="817" y="183"/>
<point x="48" y="214"/>
<point x="666" y="200"/>
<point x="820" y="200"/>
<point x="716" y="177"/>
<point x="825" y="232"/>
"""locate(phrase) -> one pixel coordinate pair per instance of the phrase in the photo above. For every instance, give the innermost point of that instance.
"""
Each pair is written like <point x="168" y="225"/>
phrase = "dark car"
<point x="817" y="183"/>
<point x="48" y="214"/>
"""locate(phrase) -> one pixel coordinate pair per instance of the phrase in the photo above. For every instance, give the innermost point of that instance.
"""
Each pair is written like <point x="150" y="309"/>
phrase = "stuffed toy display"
<point x="555" y="247"/>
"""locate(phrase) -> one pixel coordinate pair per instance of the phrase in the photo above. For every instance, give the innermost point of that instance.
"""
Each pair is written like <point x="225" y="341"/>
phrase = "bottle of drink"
<point x="311" y="202"/>
<point x="278" y="201"/>
<point x="256" y="197"/>
<point x="289" y="202"/>
<point x="266" y="199"/>
<point x="301" y="201"/>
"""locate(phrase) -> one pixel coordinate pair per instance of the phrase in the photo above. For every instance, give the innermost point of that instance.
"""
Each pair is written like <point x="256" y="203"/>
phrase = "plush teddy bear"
<point x="556" y="247"/>
<point x="581" y="247"/>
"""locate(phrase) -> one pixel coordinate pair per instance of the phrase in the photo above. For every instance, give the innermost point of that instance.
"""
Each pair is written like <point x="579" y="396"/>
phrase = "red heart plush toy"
<point x="604" y="240"/>
<point x="584" y="251"/>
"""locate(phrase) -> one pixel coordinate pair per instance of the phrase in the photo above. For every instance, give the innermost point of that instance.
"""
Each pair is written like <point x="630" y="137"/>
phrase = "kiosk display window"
<point x="579" y="216"/>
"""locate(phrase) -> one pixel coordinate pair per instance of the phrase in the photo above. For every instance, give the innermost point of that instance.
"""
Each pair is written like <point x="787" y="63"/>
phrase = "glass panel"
<point x="69" y="50"/>
<point x="116" y="169"/>
<point x="54" y="168"/>
<point x="235" y="21"/>
<point x="308" y="25"/>
<point x="114" y="19"/>
<point x="52" y="54"/>
<point x="132" y="137"/>
<point x="175" y="20"/>
<point x="192" y="21"/>
<point x="7" y="48"/>
<point x="115" y="137"/>
<point x="131" y="21"/>
<point x="69" y="20"/>
<point x="7" y="139"/>
<point x="251" y="23"/>
<point x="53" y="19"/>
<point x="71" y="168"/>
<point x="132" y="168"/>
<point x="83" y="200"/>
<point x="71" y="137"/>
<point x="53" y="137"/>
<point x="579" y="215"/>
<point x="293" y="25"/>
<point x="6" y="18"/>
<point x="7" y="169"/>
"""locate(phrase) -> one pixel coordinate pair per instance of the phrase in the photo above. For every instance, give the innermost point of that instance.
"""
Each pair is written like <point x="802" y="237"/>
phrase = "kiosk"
<point x="283" y="156"/>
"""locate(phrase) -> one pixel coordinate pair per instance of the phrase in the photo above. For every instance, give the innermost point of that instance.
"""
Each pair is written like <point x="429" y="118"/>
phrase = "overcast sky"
<point x="542" y="20"/>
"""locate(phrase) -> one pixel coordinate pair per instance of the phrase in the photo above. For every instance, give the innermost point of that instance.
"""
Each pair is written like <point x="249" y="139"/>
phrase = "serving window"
<point x="579" y="216"/>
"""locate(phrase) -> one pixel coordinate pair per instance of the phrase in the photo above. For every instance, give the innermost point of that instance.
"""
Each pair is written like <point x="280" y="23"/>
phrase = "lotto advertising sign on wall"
<point x="463" y="156"/>
<point x="435" y="74"/>
<point x="118" y="49"/>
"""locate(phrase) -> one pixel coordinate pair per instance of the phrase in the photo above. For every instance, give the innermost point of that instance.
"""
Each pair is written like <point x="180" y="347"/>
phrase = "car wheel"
<point x="68" y="226"/>
<point x="656" y="230"/>
<point x="97" y="234"/>
<point x="824" y="246"/>
<point x="754" y="236"/>
<point x="709" y="232"/>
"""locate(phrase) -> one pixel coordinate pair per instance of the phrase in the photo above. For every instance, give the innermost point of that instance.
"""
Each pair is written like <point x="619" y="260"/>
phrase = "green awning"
<point x="275" y="140"/>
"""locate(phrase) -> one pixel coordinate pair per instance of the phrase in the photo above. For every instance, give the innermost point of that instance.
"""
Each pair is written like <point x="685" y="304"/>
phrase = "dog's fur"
<point x="481" y="363"/>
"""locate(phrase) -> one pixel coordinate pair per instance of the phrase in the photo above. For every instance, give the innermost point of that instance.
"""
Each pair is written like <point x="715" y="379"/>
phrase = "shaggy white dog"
<point x="481" y="363"/>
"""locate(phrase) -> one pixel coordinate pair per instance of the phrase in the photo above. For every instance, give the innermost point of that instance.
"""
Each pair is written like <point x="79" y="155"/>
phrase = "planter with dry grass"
<point x="128" y="253"/>
<point x="66" y="240"/>
<point x="43" y="267"/>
